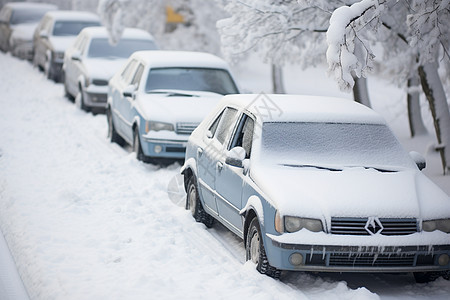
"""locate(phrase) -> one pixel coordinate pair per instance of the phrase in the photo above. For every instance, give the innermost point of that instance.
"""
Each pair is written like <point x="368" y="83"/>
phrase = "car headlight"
<point x="432" y="225"/>
<point x="158" y="126"/>
<point x="293" y="224"/>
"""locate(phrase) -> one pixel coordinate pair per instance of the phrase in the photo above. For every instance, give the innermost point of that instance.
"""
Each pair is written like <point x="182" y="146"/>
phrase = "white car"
<point x="159" y="97"/>
<point x="316" y="184"/>
<point x="17" y="24"/>
<point x="92" y="60"/>
<point x="54" y="34"/>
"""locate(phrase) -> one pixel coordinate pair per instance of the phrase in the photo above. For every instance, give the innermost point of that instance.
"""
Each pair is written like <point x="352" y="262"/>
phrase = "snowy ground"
<point x="84" y="220"/>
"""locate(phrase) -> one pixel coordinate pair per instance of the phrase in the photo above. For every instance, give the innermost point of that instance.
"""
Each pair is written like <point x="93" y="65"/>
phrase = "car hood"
<point x="101" y="68"/>
<point x="173" y="109"/>
<point x="24" y="31"/>
<point x="353" y="192"/>
<point x="61" y="43"/>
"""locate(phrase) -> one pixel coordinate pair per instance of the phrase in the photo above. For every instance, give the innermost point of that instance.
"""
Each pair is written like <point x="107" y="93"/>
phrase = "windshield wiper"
<point x="311" y="166"/>
<point x="171" y="93"/>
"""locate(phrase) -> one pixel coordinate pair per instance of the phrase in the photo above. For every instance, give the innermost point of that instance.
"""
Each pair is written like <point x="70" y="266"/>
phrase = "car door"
<point x="229" y="179"/>
<point x="121" y="106"/>
<point x="208" y="155"/>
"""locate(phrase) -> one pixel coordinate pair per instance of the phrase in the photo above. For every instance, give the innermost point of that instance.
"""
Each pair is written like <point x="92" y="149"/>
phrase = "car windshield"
<point x="101" y="47"/>
<point x="191" y="79"/>
<point x="71" y="28"/>
<point x="332" y="146"/>
<point x="31" y="15"/>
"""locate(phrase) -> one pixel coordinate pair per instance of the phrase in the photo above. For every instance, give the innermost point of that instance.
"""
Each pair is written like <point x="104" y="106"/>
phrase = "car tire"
<point x="112" y="133"/>
<point x="67" y="94"/>
<point x="137" y="147"/>
<point x="79" y="101"/>
<point x="255" y="252"/>
<point x="424" y="277"/>
<point x="195" y="206"/>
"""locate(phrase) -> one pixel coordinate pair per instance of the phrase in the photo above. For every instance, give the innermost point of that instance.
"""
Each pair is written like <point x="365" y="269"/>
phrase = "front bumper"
<point x="379" y="257"/>
<point x="96" y="96"/>
<point x="23" y="50"/>
<point x="171" y="146"/>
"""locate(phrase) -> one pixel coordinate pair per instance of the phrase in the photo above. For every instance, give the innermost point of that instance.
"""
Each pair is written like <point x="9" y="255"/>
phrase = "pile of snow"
<point x="85" y="220"/>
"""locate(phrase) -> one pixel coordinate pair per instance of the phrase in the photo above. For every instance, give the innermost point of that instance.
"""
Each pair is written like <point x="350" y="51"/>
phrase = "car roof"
<point x="69" y="15"/>
<point x="30" y="5"/>
<point x="129" y="33"/>
<point x="161" y="58"/>
<point x="304" y="108"/>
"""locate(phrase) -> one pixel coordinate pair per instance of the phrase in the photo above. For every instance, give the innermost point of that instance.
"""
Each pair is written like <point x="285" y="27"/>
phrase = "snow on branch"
<point x="348" y="52"/>
<point x="111" y="15"/>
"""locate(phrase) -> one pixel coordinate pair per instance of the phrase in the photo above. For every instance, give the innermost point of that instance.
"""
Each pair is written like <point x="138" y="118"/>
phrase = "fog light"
<point x="157" y="149"/>
<point x="443" y="260"/>
<point x="296" y="259"/>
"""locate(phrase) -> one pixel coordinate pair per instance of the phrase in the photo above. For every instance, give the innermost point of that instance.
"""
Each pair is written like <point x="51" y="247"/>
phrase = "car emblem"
<point x="373" y="225"/>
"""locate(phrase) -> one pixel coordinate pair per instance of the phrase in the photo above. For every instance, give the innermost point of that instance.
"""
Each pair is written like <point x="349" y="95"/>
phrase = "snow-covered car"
<point x="17" y="24"/>
<point x="316" y="184"/>
<point x="55" y="32"/>
<point x="159" y="98"/>
<point x="92" y="60"/>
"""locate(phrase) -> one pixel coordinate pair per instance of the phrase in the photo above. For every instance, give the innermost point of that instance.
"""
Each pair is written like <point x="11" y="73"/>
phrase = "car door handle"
<point x="219" y="166"/>
<point x="199" y="151"/>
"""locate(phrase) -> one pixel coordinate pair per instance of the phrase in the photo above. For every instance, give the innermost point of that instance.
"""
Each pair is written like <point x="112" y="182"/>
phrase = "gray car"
<point x="17" y="24"/>
<point x="316" y="184"/>
<point x="54" y="34"/>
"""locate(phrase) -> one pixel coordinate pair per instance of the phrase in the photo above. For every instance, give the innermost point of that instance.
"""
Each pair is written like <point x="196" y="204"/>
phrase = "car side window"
<point x="212" y="129"/>
<point x="244" y="135"/>
<point x="226" y="124"/>
<point x="138" y="75"/>
<point x="128" y="72"/>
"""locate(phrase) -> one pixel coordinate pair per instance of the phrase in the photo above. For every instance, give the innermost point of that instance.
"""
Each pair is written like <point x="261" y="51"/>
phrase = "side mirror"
<point x="209" y="134"/>
<point x="76" y="56"/>
<point x="418" y="159"/>
<point x="129" y="91"/>
<point x="235" y="157"/>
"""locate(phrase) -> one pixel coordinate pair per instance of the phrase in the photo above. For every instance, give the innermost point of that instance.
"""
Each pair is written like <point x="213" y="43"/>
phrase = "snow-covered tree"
<point x="283" y="31"/>
<point x="197" y="32"/>
<point x="425" y="30"/>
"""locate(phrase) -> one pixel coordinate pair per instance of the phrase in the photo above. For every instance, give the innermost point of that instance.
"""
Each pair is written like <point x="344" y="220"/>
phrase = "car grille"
<point x="186" y="128"/>
<point x="366" y="226"/>
<point x="100" y="82"/>
<point x="368" y="260"/>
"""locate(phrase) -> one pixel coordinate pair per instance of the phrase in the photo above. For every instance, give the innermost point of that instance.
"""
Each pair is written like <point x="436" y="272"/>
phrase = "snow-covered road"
<point x="84" y="220"/>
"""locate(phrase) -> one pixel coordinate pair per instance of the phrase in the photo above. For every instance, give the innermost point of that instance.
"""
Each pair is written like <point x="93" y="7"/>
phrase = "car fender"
<point x="254" y="204"/>
<point x="189" y="165"/>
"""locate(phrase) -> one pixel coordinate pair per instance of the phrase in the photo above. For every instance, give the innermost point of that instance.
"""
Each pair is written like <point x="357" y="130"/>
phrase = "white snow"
<point x="85" y="220"/>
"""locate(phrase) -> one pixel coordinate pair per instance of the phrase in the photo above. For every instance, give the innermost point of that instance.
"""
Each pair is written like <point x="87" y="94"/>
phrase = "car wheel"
<point x="79" y="101"/>
<point x="48" y="69"/>
<point x="137" y="148"/>
<point x="255" y="251"/>
<point x="424" y="277"/>
<point x="195" y="206"/>
<point x="66" y="92"/>
<point x="112" y="133"/>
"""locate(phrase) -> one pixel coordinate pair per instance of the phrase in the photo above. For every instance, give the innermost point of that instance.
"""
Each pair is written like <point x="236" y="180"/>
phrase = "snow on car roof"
<point x="69" y="15"/>
<point x="292" y="108"/>
<point x="27" y="5"/>
<point x="158" y="59"/>
<point x="129" y="33"/>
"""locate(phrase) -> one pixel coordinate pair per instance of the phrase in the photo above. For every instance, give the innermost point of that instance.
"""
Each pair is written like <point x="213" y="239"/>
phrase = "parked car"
<point x="316" y="184"/>
<point x="159" y="97"/>
<point x="54" y="34"/>
<point x="92" y="60"/>
<point x="17" y="24"/>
